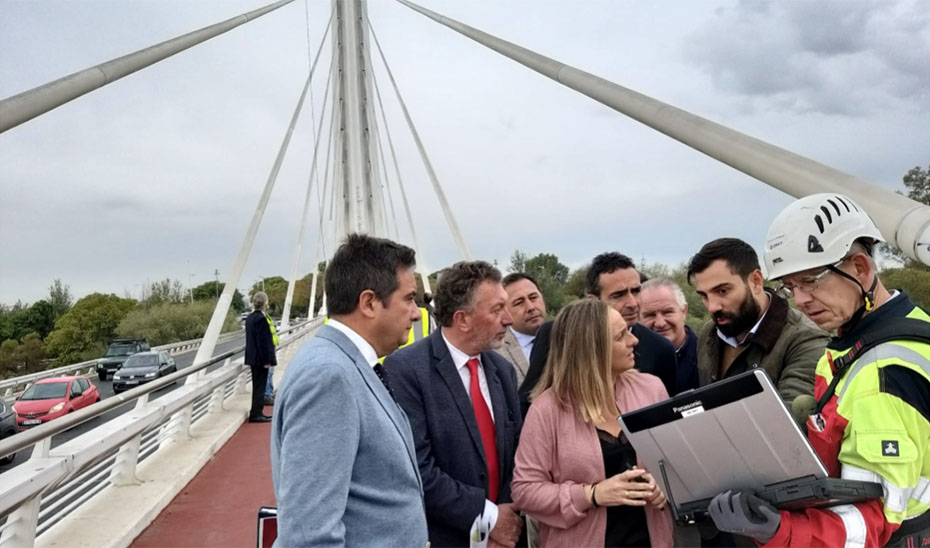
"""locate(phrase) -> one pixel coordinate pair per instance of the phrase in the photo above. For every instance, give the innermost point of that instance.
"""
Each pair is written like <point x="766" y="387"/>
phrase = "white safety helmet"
<point x="816" y="230"/>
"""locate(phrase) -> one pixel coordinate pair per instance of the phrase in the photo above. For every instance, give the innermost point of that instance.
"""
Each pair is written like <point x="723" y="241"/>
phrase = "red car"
<point x="49" y="399"/>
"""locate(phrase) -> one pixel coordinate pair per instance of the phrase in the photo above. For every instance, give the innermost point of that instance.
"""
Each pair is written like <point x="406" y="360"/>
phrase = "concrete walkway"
<point x="219" y="507"/>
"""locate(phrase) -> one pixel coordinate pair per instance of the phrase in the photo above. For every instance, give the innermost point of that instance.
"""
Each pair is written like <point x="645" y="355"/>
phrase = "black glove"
<point x="746" y="514"/>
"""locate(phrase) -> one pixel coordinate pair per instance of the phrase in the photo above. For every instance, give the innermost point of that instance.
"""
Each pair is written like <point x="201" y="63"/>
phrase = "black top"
<point x="626" y="525"/>
<point x="259" y="345"/>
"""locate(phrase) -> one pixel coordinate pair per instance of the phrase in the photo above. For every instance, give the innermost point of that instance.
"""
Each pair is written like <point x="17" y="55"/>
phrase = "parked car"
<point x="8" y="427"/>
<point x="142" y="368"/>
<point x="117" y="353"/>
<point x="49" y="399"/>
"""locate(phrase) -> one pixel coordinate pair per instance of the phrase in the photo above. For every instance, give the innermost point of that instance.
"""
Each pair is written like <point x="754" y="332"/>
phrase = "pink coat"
<point x="559" y="453"/>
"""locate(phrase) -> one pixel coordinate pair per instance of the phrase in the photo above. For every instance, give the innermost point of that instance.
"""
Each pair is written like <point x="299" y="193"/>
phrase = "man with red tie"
<point x="461" y="399"/>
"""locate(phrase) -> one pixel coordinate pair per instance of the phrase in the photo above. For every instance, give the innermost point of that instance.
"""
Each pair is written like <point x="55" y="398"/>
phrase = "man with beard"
<point x="751" y="326"/>
<point x="461" y="399"/>
<point x="528" y="309"/>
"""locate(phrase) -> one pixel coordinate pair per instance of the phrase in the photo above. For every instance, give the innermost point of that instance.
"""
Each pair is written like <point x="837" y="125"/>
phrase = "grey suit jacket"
<point x="342" y="455"/>
<point x="511" y="350"/>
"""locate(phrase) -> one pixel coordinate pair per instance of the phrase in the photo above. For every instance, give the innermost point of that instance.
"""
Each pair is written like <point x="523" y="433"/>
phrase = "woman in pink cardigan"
<point x="575" y="471"/>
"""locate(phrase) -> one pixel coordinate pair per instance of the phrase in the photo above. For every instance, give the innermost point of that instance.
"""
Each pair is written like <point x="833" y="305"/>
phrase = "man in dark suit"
<point x="612" y="278"/>
<point x="461" y="399"/>
<point x="259" y="354"/>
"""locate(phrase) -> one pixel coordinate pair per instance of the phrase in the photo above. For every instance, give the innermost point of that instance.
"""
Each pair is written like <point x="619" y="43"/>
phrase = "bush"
<point x="168" y="323"/>
<point x="913" y="281"/>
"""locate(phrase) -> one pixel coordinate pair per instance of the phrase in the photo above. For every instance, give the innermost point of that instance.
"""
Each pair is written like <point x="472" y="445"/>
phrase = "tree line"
<point x="57" y="331"/>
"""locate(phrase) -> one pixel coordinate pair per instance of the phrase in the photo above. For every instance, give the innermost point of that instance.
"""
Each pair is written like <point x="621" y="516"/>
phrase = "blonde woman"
<point x="575" y="471"/>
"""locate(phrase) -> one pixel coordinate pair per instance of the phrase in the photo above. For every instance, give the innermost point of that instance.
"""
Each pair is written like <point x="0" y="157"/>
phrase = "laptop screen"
<point x="733" y="434"/>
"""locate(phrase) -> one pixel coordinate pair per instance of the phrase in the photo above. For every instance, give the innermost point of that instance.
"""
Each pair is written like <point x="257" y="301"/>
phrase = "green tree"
<point x="84" y="331"/>
<point x="914" y="281"/>
<point x="59" y="296"/>
<point x="517" y="261"/>
<point x="551" y="276"/>
<point x="917" y="184"/>
<point x="276" y="289"/>
<point x="169" y="322"/>
<point x="38" y="318"/>
<point x="21" y="358"/>
<point x="212" y="289"/>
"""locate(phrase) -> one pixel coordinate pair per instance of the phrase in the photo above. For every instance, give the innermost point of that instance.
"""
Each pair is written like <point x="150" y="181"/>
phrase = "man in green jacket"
<point x="751" y="326"/>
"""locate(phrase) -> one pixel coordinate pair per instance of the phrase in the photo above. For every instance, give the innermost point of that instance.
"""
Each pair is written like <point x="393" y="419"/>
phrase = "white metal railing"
<point x="53" y="482"/>
<point x="10" y="388"/>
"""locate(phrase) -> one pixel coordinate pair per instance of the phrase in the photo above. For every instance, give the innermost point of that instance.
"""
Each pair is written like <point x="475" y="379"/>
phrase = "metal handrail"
<point x="171" y="348"/>
<point x="32" y="436"/>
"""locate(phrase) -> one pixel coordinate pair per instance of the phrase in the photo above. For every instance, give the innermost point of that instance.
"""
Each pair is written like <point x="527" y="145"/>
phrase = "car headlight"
<point x="58" y="407"/>
<point x="151" y="375"/>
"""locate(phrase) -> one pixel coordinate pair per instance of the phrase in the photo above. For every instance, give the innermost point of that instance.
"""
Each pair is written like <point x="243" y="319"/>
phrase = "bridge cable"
<point x="384" y="170"/>
<point x="295" y="260"/>
<point x="901" y="220"/>
<point x="421" y="265"/>
<point x="320" y="244"/>
<point x="29" y="104"/>
<point x="440" y="195"/>
<point x="208" y="345"/>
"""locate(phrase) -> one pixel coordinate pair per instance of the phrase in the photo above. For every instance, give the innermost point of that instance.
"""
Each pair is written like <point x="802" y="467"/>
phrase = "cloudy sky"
<point x="158" y="174"/>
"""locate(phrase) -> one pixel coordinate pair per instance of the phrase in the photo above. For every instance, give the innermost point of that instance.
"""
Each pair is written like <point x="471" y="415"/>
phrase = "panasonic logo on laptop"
<point x="692" y="408"/>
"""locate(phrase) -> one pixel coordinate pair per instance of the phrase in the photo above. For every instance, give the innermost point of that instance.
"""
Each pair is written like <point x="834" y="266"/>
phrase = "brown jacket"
<point x="787" y="345"/>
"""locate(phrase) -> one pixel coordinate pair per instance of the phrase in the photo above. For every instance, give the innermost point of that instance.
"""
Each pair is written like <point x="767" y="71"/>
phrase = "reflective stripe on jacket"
<point x="274" y="332"/>
<point x="876" y="427"/>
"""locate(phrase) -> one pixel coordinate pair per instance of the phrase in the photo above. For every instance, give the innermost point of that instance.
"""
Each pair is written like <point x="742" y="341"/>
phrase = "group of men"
<point x="419" y="449"/>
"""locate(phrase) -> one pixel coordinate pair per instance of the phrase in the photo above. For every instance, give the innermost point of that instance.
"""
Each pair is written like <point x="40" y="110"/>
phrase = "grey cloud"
<point x="842" y="58"/>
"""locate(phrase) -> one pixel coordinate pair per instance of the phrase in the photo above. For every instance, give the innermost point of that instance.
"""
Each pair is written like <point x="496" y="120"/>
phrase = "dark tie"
<point x="382" y="375"/>
<point x="486" y="427"/>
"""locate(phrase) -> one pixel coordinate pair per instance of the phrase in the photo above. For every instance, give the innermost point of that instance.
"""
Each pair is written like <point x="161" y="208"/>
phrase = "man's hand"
<point x="746" y="514"/>
<point x="506" y="531"/>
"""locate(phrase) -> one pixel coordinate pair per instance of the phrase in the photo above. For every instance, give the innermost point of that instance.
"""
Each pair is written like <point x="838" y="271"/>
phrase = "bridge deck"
<point x="219" y="506"/>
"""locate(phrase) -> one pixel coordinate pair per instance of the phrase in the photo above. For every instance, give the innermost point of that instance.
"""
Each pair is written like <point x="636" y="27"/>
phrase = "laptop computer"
<point x="734" y="434"/>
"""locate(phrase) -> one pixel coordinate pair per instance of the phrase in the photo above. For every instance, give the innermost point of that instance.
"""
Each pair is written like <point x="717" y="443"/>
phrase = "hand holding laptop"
<point x="743" y="513"/>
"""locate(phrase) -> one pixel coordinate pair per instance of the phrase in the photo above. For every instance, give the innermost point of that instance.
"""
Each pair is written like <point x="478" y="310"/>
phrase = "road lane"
<point x="105" y="388"/>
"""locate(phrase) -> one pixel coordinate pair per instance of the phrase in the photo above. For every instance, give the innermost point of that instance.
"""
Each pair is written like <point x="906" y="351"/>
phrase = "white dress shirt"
<point x="460" y="359"/>
<point x="368" y="351"/>
<point x="525" y="341"/>
<point x="732" y="341"/>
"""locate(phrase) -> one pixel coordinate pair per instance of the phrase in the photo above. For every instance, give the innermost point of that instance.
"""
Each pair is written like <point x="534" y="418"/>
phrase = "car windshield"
<point x="142" y="360"/>
<point x="120" y="350"/>
<point x="46" y="391"/>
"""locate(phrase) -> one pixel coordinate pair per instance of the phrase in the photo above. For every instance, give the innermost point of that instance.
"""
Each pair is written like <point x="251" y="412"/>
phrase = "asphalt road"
<point x="106" y="390"/>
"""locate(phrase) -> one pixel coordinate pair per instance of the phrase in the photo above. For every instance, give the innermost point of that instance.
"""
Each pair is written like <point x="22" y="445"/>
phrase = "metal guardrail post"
<point x="218" y="398"/>
<point x="22" y="523"/>
<point x="127" y="459"/>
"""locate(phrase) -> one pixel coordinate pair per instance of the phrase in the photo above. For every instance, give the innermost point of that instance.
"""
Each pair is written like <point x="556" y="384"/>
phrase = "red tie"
<point x="486" y="427"/>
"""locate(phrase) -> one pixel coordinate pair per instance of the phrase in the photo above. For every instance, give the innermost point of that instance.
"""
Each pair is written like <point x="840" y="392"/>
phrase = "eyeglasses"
<point x="809" y="283"/>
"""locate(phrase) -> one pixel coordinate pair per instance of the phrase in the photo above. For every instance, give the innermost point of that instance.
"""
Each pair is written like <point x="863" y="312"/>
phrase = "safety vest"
<point x="870" y="430"/>
<point x="419" y="330"/>
<point x="274" y="332"/>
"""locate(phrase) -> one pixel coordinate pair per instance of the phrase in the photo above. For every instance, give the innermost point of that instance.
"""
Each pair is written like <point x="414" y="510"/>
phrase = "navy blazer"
<point x="450" y="455"/>
<point x="259" y="346"/>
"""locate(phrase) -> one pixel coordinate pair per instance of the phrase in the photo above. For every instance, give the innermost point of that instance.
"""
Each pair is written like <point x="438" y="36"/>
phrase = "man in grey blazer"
<point x="342" y="455"/>
<point x="461" y="398"/>
<point x="527" y="307"/>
